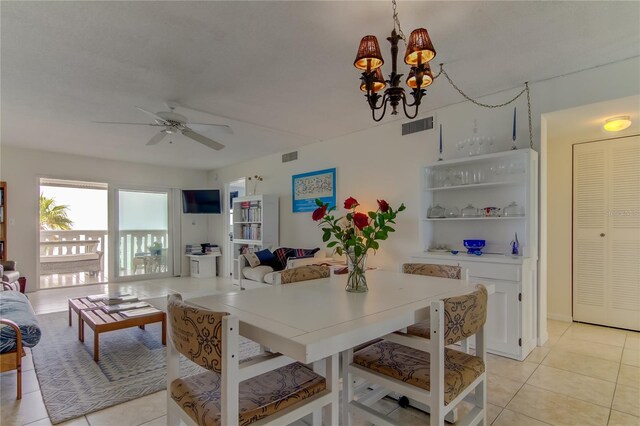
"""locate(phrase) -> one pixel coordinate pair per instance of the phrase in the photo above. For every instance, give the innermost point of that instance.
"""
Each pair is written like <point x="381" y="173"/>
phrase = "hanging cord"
<point x="396" y="23"/>
<point x="473" y="101"/>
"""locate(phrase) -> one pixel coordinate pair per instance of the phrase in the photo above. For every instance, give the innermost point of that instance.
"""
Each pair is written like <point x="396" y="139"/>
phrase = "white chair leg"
<point x="464" y="345"/>
<point x="333" y="384"/>
<point x="347" y="388"/>
<point x="316" y="416"/>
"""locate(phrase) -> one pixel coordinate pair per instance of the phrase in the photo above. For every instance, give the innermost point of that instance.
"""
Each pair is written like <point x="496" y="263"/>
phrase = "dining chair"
<point x="302" y="273"/>
<point x="269" y="389"/>
<point x="427" y="371"/>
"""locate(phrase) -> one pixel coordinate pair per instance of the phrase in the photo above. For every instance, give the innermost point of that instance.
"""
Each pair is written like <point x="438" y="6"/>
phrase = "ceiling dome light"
<point x="616" y="124"/>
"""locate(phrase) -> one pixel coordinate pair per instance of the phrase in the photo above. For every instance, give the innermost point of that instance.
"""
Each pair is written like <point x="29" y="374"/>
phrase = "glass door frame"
<point x="114" y="232"/>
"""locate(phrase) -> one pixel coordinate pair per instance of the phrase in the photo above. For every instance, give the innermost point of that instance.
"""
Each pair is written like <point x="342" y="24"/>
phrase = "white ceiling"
<point x="285" y="67"/>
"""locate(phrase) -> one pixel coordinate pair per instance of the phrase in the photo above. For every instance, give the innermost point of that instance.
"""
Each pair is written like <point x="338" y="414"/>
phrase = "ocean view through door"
<point x="143" y="242"/>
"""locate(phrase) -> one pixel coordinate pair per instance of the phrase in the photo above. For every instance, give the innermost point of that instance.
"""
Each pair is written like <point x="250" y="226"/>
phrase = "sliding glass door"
<point x="143" y="233"/>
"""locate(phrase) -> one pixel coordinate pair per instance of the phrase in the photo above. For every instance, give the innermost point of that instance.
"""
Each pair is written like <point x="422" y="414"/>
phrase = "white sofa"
<point x="265" y="274"/>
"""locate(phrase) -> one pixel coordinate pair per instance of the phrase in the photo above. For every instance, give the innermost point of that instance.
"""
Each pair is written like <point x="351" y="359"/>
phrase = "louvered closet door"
<point x="606" y="233"/>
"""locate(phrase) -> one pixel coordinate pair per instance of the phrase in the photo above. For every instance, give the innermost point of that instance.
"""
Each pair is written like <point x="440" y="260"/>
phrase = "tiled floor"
<point x="67" y="280"/>
<point x="584" y="375"/>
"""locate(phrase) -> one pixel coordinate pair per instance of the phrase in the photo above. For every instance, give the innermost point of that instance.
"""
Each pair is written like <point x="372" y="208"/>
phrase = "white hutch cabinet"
<point x="491" y="180"/>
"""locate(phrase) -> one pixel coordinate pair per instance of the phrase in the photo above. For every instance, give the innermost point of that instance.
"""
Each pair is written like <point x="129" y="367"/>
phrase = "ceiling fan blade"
<point x="121" y="122"/>
<point x="202" y="139"/>
<point x="152" y="115"/>
<point x="157" y="138"/>
<point x="203" y="127"/>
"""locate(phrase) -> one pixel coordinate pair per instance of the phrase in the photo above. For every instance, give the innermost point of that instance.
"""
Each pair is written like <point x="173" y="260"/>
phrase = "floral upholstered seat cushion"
<point x="260" y="396"/>
<point x="420" y="329"/>
<point x="412" y="366"/>
<point x="432" y="270"/>
<point x="304" y="273"/>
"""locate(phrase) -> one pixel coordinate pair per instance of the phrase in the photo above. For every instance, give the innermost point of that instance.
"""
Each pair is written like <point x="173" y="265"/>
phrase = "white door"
<point x="606" y="232"/>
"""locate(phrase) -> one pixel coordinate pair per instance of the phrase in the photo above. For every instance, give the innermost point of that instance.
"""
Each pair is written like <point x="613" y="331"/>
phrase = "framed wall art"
<point x="306" y="187"/>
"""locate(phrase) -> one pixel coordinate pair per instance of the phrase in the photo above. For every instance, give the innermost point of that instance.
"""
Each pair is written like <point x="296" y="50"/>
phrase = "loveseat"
<point x="9" y="274"/>
<point x="263" y="266"/>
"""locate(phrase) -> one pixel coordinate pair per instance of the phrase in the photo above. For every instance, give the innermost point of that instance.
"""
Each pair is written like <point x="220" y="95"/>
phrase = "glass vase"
<point x="356" y="279"/>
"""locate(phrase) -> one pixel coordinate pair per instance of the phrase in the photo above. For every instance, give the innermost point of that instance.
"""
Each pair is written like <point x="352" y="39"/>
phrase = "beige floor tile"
<point x="557" y="328"/>
<point x="597" y="334"/>
<point x="629" y="376"/>
<point x="627" y="400"/>
<point x="511" y="418"/>
<point x="583" y="364"/>
<point x="409" y="416"/>
<point x="27" y="410"/>
<point x="131" y="413"/>
<point x="162" y="421"/>
<point x="538" y="354"/>
<point x="493" y="411"/>
<point x="553" y="408"/>
<point x="501" y="390"/>
<point x="551" y="341"/>
<point x="511" y="369"/>
<point x="589" y="389"/>
<point x="622" y="419"/>
<point x="584" y="347"/>
<point x="631" y="357"/>
<point x="8" y="384"/>
<point x="27" y="361"/>
<point x="80" y="421"/>
<point x="633" y="340"/>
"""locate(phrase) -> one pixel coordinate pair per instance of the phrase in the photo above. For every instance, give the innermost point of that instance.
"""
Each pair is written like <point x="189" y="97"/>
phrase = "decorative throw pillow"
<point x="252" y="259"/>
<point x="284" y="253"/>
<point x="265" y="256"/>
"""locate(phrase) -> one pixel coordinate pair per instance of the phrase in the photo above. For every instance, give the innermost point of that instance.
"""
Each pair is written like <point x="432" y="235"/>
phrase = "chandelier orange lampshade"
<point x="419" y="49"/>
<point x="368" y="57"/>
<point x="377" y="84"/>
<point x="427" y="78"/>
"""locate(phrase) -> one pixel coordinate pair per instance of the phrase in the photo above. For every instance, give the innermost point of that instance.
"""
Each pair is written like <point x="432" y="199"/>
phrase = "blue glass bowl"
<point x="474" y="244"/>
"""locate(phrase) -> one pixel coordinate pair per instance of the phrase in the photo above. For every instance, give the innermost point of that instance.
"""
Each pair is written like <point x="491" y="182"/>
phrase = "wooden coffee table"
<point x="79" y="304"/>
<point x="101" y="322"/>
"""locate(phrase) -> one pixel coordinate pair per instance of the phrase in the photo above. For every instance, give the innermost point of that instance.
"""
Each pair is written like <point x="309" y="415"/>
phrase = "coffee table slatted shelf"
<point x="102" y="322"/>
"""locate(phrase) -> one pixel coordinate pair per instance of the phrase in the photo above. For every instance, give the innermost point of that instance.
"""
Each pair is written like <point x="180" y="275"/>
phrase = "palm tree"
<point x="53" y="216"/>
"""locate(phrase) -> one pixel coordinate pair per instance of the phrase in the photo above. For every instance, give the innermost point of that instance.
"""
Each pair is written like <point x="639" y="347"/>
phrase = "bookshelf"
<point x="255" y="225"/>
<point x="3" y="220"/>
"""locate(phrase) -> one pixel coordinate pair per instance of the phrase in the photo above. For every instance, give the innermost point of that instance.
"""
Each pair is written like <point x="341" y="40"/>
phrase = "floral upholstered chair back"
<point x="304" y="273"/>
<point x="441" y="271"/>
<point x="196" y="333"/>
<point x="464" y="315"/>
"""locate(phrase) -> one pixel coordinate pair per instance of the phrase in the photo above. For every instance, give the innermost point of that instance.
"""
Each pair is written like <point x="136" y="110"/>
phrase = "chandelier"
<point x="418" y="54"/>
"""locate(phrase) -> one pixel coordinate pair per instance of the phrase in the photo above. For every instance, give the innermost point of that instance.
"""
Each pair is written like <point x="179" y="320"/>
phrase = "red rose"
<point x="361" y="220"/>
<point x="350" y="203"/>
<point x="383" y="205"/>
<point x="319" y="213"/>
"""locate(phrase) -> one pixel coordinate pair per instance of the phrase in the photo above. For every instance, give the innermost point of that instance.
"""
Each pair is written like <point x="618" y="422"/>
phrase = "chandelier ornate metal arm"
<point x="418" y="54"/>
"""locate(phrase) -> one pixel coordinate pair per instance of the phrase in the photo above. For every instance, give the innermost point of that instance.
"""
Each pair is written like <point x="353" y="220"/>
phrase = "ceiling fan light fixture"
<point x="378" y="82"/>
<point x="427" y="78"/>
<point x="368" y="57"/>
<point x="616" y="124"/>
<point x="419" y="48"/>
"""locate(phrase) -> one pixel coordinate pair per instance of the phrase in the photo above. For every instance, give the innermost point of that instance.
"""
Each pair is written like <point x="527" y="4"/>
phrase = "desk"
<point x="316" y="320"/>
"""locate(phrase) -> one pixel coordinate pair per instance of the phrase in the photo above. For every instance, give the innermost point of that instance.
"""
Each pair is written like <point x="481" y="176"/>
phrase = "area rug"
<point x="132" y="364"/>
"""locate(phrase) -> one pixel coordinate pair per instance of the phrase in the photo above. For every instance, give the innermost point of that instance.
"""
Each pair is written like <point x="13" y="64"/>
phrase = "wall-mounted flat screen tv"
<point x="201" y="201"/>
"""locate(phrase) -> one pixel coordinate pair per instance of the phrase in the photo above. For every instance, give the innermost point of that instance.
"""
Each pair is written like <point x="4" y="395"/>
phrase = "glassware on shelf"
<point x="435" y="212"/>
<point x="513" y="210"/>
<point x="452" y="212"/>
<point x="469" y="211"/>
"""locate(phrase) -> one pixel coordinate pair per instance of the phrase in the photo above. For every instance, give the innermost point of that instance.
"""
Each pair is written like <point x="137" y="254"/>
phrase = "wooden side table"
<point x="101" y="322"/>
<point x="78" y="305"/>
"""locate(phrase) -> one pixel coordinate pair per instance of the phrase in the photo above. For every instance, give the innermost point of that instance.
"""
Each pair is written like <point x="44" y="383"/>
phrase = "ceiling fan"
<point x="176" y="123"/>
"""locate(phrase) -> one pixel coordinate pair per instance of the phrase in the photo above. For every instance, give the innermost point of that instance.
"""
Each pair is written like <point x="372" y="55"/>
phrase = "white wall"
<point x="22" y="168"/>
<point x="380" y="163"/>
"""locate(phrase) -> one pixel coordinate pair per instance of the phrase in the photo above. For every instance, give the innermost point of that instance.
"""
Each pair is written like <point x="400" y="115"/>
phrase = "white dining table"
<point x="317" y="320"/>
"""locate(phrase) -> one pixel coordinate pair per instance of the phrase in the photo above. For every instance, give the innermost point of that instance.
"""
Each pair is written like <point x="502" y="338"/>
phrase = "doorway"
<point x="234" y="189"/>
<point x="74" y="234"/>
<point x="606" y="232"/>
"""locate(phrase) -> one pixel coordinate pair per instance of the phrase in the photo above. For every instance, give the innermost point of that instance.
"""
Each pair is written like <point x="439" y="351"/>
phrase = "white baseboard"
<point x="559" y="317"/>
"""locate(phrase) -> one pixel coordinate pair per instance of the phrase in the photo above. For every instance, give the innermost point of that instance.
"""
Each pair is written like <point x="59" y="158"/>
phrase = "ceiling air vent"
<point x="417" y="126"/>
<point x="289" y="156"/>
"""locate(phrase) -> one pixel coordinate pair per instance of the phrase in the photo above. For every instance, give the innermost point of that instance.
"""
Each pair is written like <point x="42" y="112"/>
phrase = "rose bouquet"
<point x="355" y="233"/>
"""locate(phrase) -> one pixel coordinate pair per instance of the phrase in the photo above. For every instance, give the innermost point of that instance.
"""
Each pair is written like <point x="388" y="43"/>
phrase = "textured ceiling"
<point x="279" y="72"/>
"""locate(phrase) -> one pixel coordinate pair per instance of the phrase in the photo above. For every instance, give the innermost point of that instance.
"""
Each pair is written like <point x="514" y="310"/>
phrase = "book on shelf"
<point x="110" y="309"/>
<point x="132" y="313"/>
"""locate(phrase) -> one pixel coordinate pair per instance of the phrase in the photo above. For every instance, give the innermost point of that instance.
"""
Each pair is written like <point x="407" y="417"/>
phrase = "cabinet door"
<point x="503" y="317"/>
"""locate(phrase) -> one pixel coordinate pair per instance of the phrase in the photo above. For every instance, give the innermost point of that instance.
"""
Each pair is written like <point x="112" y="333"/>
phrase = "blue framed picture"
<point x="306" y="187"/>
